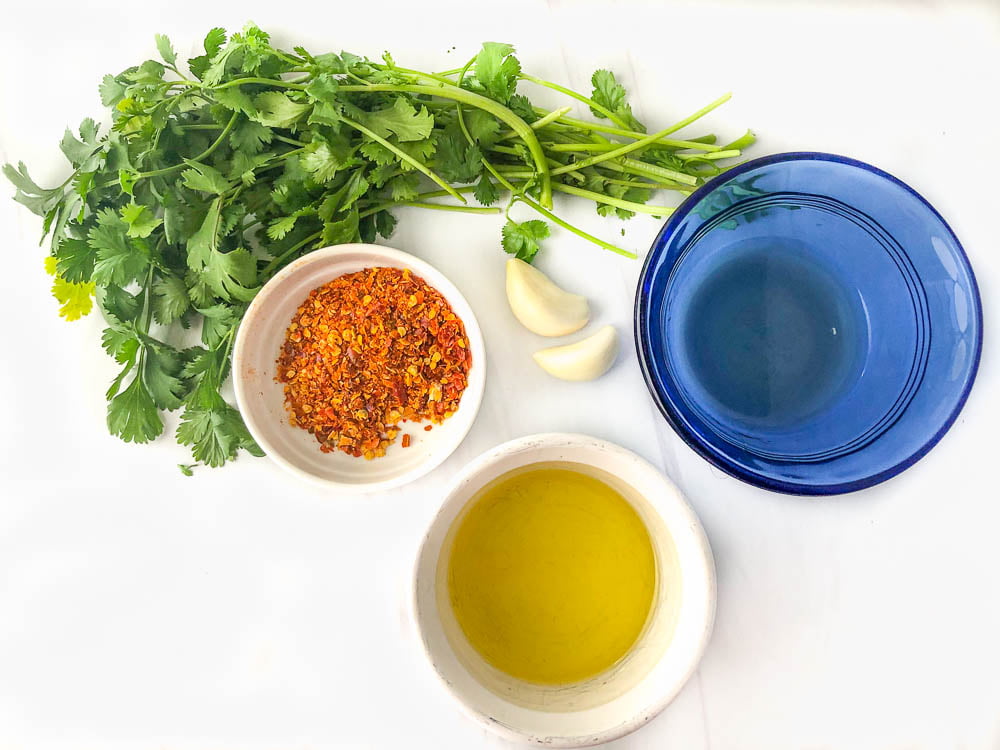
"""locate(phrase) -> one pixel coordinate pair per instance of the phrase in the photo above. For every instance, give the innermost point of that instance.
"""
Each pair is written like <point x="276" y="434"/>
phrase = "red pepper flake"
<point x="428" y="428"/>
<point x="381" y="360"/>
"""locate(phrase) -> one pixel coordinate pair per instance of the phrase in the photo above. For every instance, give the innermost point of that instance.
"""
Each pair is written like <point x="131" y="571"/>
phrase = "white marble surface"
<point x="239" y="609"/>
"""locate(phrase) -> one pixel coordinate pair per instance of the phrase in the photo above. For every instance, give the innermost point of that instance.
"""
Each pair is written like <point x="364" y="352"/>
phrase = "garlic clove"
<point x="586" y="359"/>
<point x="540" y="305"/>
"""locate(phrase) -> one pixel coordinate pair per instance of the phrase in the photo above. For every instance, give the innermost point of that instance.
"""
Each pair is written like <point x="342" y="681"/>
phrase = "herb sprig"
<point x="214" y="176"/>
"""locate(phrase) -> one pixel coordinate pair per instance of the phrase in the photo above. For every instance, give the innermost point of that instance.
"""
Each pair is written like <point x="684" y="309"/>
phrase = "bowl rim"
<point x="703" y="558"/>
<point x="641" y="327"/>
<point x="432" y="276"/>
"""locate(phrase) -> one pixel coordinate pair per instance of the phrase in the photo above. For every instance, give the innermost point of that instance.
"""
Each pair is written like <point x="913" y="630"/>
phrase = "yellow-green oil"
<point x="551" y="575"/>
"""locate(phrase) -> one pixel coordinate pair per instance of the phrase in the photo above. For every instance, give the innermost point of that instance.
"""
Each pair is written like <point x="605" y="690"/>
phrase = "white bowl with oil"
<point x="651" y="674"/>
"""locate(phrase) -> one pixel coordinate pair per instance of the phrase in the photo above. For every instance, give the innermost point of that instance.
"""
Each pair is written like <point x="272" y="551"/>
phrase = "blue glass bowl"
<point x="808" y="323"/>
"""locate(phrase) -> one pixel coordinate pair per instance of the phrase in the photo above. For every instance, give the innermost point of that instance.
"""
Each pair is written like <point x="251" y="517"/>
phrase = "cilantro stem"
<point x="661" y="141"/>
<point x="579" y="97"/>
<point x="639" y="208"/>
<point x="438" y="206"/>
<point x="617" y="152"/>
<point x="251" y="79"/>
<point x="575" y="230"/>
<point x="494" y="108"/>
<point x="654" y="170"/>
<point x="271" y="267"/>
<point x="203" y="155"/>
<point x="415" y="163"/>
<point x="289" y="141"/>
<point x="726" y="154"/>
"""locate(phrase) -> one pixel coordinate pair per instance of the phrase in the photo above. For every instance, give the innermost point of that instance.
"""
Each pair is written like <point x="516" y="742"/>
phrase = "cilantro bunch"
<point x="215" y="175"/>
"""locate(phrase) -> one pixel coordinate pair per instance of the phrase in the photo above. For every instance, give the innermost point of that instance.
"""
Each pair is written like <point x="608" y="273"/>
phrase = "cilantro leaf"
<point x="232" y="275"/>
<point x="36" y="199"/>
<point x="170" y="299"/>
<point x="82" y="154"/>
<point x="112" y="91"/>
<point x="344" y="198"/>
<point x="250" y="136"/>
<point x="218" y="321"/>
<point x="458" y="160"/>
<point x="121" y="343"/>
<point x="140" y="219"/>
<point x="75" y="299"/>
<point x="323" y="159"/>
<point x="402" y="120"/>
<point x="497" y="70"/>
<point x="205" y="178"/>
<point x="404" y="187"/>
<point x="165" y="49"/>
<point x="276" y="110"/>
<point x="74" y="259"/>
<point x="486" y="192"/>
<point x="343" y="231"/>
<point x="119" y="260"/>
<point x="160" y="374"/>
<point x="132" y="414"/>
<point x="215" y="434"/>
<point x="522" y="239"/>
<point x="609" y="93"/>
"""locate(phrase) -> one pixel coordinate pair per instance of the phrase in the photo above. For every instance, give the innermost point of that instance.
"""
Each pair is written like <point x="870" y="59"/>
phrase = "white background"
<point x="241" y="609"/>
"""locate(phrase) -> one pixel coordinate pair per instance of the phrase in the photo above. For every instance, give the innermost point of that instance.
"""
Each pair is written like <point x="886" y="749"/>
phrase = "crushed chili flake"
<point x="406" y="441"/>
<point x="368" y="351"/>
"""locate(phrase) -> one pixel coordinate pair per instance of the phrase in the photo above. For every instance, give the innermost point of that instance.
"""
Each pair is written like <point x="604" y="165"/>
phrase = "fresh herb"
<point x="215" y="175"/>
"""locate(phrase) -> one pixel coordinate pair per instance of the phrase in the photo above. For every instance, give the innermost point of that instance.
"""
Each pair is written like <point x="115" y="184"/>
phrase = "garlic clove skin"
<point x="540" y="305"/>
<point x="586" y="359"/>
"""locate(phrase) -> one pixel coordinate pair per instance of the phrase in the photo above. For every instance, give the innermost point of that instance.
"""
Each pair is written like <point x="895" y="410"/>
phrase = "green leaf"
<point x="522" y="107"/>
<point x="215" y="39"/>
<point x="278" y="228"/>
<point x="486" y="192"/>
<point x="133" y="416"/>
<point x="385" y="223"/>
<point x="218" y="321"/>
<point x="140" y="219"/>
<point x="215" y="435"/>
<point x="497" y="70"/>
<point x="458" y="160"/>
<point x="343" y="231"/>
<point x="82" y="153"/>
<point x="250" y="136"/>
<point x="203" y="243"/>
<point x="234" y="99"/>
<point x="117" y="305"/>
<point x="611" y="94"/>
<point x="324" y="159"/>
<point x="483" y="127"/>
<point x="36" y="199"/>
<point x="112" y="91"/>
<point x="205" y="178"/>
<point x="160" y="374"/>
<point x="119" y="261"/>
<point x="401" y="120"/>
<point x="165" y="49"/>
<point x="276" y="110"/>
<point x="75" y="299"/>
<point x="522" y="239"/>
<point x="232" y="275"/>
<point x="121" y="343"/>
<point x="170" y="299"/>
<point x="75" y="259"/>
<point x="404" y="187"/>
<point x="344" y="198"/>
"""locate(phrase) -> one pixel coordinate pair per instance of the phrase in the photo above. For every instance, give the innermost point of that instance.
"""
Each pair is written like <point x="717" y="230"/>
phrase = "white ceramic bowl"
<point x="651" y="674"/>
<point x="261" y="398"/>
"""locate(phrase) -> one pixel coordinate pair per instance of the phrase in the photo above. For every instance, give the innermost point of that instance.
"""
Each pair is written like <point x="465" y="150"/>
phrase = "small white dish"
<point x="261" y="398"/>
<point x="628" y="695"/>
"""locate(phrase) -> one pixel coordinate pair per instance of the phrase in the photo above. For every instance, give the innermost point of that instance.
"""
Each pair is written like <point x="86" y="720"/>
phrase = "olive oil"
<point x="551" y="574"/>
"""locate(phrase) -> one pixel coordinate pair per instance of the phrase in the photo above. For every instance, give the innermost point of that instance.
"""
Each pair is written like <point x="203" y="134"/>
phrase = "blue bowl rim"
<point x="692" y="439"/>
